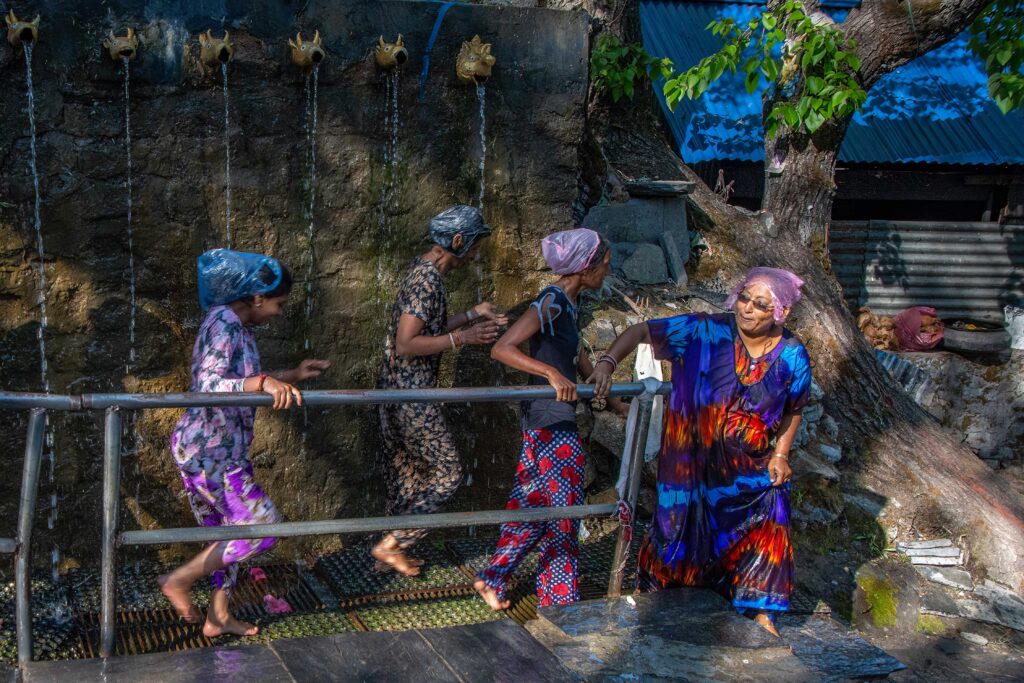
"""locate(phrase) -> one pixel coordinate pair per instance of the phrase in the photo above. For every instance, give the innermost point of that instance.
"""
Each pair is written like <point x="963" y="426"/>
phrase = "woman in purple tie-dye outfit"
<point x="211" y="445"/>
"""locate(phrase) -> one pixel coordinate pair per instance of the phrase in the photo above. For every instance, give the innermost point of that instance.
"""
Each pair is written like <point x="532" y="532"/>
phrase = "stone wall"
<point x="983" y="403"/>
<point x="319" y="464"/>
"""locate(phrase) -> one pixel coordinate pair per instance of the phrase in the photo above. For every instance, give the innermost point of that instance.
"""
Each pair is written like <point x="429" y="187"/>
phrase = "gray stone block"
<point x="673" y="259"/>
<point x="641" y="220"/>
<point x="646" y="266"/>
<point x="947" y="576"/>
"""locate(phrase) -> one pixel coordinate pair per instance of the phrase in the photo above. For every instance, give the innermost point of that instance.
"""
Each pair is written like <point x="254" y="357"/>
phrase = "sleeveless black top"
<point x="556" y="344"/>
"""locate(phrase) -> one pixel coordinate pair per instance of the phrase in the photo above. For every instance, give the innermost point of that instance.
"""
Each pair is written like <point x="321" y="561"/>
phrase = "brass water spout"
<point x="21" y="32"/>
<point x="475" y="61"/>
<point x="390" y="55"/>
<point x="122" y="47"/>
<point x="215" y="51"/>
<point x="309" y="53"/>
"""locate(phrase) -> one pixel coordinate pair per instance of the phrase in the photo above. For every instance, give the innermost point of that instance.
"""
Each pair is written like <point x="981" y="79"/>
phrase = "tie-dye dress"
<point x="720" y="523"/>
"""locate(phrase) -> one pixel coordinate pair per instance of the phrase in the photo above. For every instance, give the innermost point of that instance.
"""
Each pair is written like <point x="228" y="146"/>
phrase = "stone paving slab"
<point x="693" y="634"/>
<point x="827" y="648"/>
<point x="498" y="651"/>
<point x="248" y="663"/>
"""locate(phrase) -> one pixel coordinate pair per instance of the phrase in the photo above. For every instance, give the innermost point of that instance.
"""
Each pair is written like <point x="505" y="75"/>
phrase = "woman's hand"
<point x="282" y="392"/>
<point x="484" y="333"/>
<point x="601" y="378"/>
<point x="779" y="470"/>
<point x="486" y="309"/>
<point x="565" y="388"/>
<point x="310" y="368"/>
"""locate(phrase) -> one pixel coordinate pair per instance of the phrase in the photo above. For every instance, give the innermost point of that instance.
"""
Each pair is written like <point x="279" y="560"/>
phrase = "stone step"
<point x="938" y="561"/>
<point x="935" y="543"/>
<point x="932" y="552"/>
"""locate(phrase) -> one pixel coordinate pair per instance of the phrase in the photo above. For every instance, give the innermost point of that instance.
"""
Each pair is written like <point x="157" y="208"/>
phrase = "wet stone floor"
<point x="344" y="615"/>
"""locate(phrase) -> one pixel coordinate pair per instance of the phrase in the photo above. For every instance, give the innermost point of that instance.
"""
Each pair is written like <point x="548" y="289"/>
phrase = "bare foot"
<point x="179" y="595"/>
<point x="384" y="567"/>
<point x="765" y="622"/>
<point x="396" y="560"/>
<point x="215" y="627"/>
<point x="490" y="596"/>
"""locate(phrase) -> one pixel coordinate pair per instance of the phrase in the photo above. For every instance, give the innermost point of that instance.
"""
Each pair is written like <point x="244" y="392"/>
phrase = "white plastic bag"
<point x="1015" y="326"/>
<point x="646" y="365"/>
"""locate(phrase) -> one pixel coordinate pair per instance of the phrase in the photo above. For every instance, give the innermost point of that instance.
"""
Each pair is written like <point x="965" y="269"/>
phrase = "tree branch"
<point x="890" y="33"/>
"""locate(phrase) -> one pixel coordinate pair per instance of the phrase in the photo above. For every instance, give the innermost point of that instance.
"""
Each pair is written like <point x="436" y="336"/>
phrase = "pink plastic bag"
<point x="918" y="328"/>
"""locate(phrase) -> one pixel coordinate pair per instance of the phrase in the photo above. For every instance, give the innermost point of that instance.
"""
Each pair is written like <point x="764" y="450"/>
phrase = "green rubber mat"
<point x="351" y="575"/>
<point x="428" y="613"/>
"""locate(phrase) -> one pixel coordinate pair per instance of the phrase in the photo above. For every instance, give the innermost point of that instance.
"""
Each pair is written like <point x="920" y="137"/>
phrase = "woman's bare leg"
<point x="177" y="586"/>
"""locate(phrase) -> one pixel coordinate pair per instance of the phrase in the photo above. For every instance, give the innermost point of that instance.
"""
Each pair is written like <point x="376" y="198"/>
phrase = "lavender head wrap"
<point x="570" y="251"/>
<point x="784" y="286"/>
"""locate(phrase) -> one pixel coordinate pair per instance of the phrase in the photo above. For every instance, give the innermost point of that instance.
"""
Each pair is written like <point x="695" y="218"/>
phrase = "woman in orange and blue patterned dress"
<point x="739" y="383"/>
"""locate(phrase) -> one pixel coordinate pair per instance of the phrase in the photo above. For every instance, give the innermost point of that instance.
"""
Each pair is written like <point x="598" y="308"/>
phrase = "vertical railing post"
<point x="111" y="509"/>
<point x="631" y="489"/>
<point x="26" y="512"/>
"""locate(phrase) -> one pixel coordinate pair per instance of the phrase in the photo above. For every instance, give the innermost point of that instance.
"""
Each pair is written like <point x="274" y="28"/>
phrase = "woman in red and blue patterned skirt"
<point x="552" y="463"/>
<point x="739" y="383"/>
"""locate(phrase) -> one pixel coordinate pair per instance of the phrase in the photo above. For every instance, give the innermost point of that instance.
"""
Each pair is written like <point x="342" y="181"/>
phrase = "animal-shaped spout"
<point x="122" y="47"/>
<point x="390" y="55"/>
<point x="308" y="53"/>
<point x="475" y="61"/>
<point x="215" y="51"/>
<point x="21" y="32"/>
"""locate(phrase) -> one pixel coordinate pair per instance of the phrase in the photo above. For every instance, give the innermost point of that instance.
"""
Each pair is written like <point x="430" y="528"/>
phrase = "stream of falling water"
<point x="37" y="223"/>
<point x="481" y="95"/>
<point x="311" y="113"/>
<point x="131" y="247"/>
<point x="389" y="180"/>
<point x="227" y="157"/>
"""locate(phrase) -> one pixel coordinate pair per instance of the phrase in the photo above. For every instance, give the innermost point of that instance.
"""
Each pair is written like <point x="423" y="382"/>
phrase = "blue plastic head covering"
<point x="226" y="275"/>
<point x="463" y="219"/>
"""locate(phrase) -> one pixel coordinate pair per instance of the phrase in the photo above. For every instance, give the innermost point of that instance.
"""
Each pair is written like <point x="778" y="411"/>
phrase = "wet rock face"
<point x="535" y="100"/>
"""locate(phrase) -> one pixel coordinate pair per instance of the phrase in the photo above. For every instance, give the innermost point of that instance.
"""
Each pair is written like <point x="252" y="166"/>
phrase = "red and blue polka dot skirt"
<point x="549" y="474"/>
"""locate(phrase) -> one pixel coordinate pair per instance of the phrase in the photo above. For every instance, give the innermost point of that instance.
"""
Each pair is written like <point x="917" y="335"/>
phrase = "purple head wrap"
<point x="570" y="251"/>
<point x="784" y="286"/>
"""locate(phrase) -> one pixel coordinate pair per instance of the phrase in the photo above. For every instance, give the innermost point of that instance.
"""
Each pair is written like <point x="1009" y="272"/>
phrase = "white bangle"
<point x="784" y="456"/>
<point x="451" y="338"/>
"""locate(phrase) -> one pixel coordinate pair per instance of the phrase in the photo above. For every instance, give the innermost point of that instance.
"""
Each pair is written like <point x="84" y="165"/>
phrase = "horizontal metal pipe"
<point x="361" y="525"/>
<point x="8" y="545"/>
<point x="15" y="400"/>
<point x="353" y="397"/>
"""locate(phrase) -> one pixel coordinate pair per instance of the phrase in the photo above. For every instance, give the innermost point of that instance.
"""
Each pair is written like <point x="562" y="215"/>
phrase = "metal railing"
<point x="113" y="404"/>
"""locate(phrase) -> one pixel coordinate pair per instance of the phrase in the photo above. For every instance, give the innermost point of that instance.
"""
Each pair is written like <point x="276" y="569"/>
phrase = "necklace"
<point x="768" y="339"/>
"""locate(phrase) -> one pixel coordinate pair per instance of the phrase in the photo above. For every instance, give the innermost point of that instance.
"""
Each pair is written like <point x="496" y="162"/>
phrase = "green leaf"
<point x="768" y="21"/>
<point x="1004" y="54"/>
<point x="813" y="121"/>
<point x="751" y="81"/>
<point x="814" y="85"/>
<point x="854" y="62"/>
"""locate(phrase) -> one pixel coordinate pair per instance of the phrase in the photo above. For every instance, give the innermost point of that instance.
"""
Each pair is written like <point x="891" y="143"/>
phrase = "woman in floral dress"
<point x="211" y="445"/>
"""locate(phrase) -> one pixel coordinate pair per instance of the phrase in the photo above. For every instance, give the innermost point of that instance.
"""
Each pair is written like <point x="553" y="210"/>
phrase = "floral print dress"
<point x="211" y="445"/>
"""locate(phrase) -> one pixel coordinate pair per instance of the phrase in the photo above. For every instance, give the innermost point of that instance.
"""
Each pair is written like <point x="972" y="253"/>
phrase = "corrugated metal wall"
<point x="964" y="270"/>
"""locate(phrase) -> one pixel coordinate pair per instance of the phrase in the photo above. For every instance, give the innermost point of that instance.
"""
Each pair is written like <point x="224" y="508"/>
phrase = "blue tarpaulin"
<point x="936" y="109"/>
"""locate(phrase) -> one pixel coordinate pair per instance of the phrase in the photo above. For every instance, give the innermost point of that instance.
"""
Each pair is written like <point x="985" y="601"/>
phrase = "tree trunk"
<point x="799" y="183"/>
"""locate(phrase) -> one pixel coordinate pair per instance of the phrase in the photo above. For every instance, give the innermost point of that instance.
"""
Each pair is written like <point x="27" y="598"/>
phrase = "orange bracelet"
<point x="263" y="378"/>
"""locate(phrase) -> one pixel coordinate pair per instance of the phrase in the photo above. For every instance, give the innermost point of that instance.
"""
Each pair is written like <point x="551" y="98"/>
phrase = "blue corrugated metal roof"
<point x="935" y="109"/>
